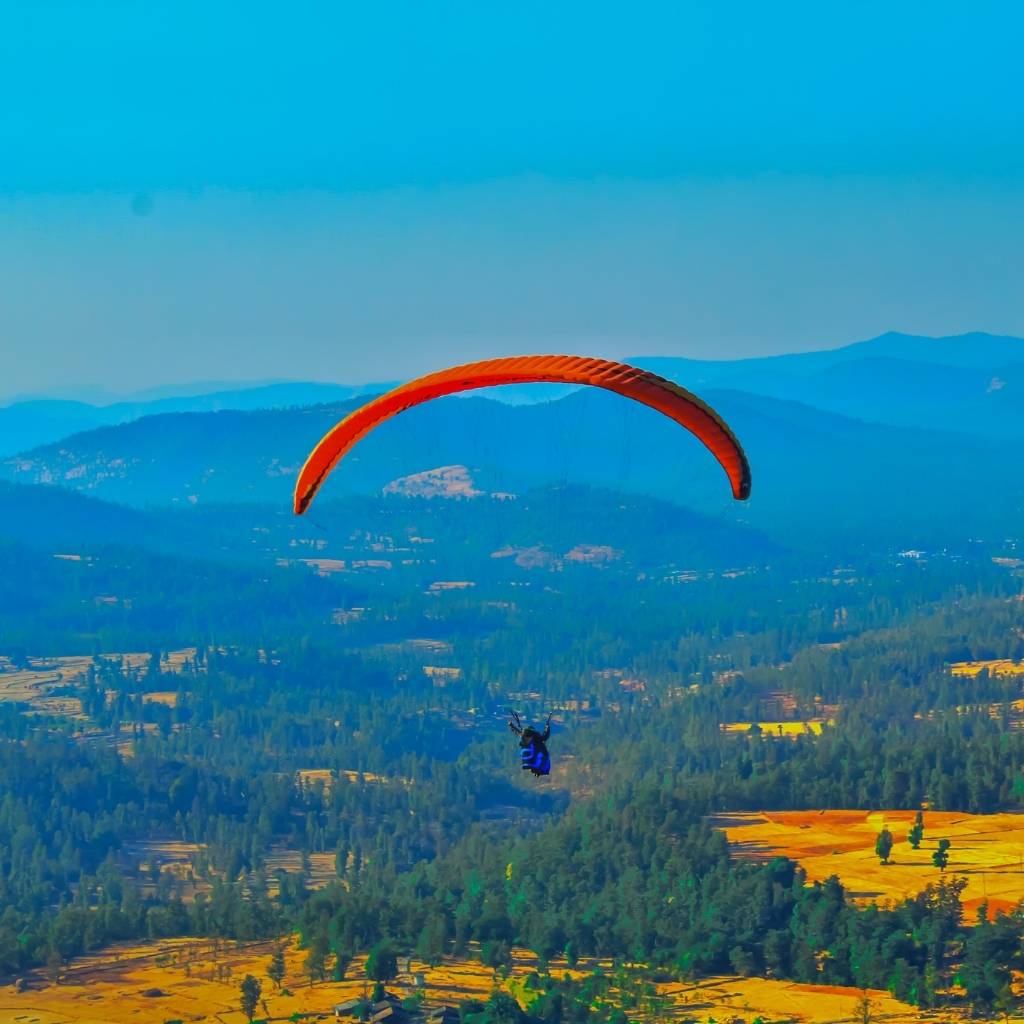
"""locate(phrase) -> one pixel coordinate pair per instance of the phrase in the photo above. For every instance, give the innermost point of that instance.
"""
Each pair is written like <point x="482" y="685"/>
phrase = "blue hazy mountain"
<point x="815" y="473"/>
<point x="973" y="383"/>
<point x="976" y="350"/>
<point x="38" y="421"/>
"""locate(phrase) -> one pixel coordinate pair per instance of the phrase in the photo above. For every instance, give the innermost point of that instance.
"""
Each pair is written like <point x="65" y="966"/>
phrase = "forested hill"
<point x="544" y="529"/>
<point x="817" y="475"/>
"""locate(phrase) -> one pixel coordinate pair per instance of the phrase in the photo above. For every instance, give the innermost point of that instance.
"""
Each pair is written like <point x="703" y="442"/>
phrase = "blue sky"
<point x="332" y="190"/>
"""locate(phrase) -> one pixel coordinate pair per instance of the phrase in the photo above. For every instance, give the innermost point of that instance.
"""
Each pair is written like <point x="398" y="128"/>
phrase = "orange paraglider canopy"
<point x="630" y="381"/>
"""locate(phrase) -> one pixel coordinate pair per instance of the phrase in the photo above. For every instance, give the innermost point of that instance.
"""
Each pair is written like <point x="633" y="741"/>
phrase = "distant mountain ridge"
<point x="815" y="473"/>
<point x="972" y="383"/>
<point x="974" y="350"/>
<point x="33" y="422"/>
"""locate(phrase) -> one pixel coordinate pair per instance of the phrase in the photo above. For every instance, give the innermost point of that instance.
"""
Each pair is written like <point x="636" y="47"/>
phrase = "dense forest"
<point x="340" y="689"/>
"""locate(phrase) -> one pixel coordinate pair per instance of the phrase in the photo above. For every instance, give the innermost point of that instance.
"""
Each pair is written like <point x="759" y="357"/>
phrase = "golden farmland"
<point x="326" y="777"/>
<point x="987" y="850"/>
<point x="995" y="667"/>
<point x="189" y="980"/>
<point x="790" y="729"/>
<point x="32" y="684"/>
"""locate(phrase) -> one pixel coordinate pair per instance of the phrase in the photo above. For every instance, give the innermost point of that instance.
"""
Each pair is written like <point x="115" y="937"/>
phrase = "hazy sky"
<point x="352" y="192"/>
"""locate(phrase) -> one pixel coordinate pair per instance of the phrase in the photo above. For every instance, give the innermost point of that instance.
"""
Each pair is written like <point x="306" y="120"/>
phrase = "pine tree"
<point x="430" y="945"/>
<point x="883" y="845"/>
<point x="250" y="996"/>
<point x="916" y="834"/>
<point x="1005" y="1002"/>
<point x="341" y="962"/>
<point x="381" y="964"/>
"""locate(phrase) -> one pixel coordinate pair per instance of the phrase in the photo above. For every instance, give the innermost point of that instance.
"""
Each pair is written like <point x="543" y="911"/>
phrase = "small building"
<point x="349" y="1008"/>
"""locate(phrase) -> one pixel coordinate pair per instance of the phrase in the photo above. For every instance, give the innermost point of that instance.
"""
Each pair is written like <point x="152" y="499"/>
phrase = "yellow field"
<point x="168" y="854"/>
<point x="442" y="673"/>
<point x="182" y="860"/>
<point x="996" y="667"/>
<point x="32" y="685"/>
<point x="814" y="726"/>
<point x="196" y="981"/>
<point x="321" y="867"/>
<point x="312" y="776"/>
<point x="325" y="566"/>
<point x="63" y="707"/>
<point x="987" y="850"/>
<point x="166" y="697"/>
<point x="747" y="998"/>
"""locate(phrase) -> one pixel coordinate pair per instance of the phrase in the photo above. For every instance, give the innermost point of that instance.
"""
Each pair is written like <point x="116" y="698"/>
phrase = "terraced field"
<point x="32" y="684"/>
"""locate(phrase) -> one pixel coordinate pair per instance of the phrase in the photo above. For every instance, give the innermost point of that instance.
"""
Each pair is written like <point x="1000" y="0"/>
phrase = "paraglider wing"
<point x="630" y="381"/>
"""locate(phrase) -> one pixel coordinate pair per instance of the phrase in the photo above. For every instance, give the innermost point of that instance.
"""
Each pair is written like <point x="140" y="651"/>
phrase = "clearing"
<point x="813" y="725"/>
<point x="33" y="682"/>
<point x="191" y="980"/>
<point x="986" y="849"/>
<point x="994" y="667"/>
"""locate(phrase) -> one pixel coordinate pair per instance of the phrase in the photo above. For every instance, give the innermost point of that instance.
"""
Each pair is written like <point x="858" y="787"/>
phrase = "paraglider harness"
<point x="533" y="745"/>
